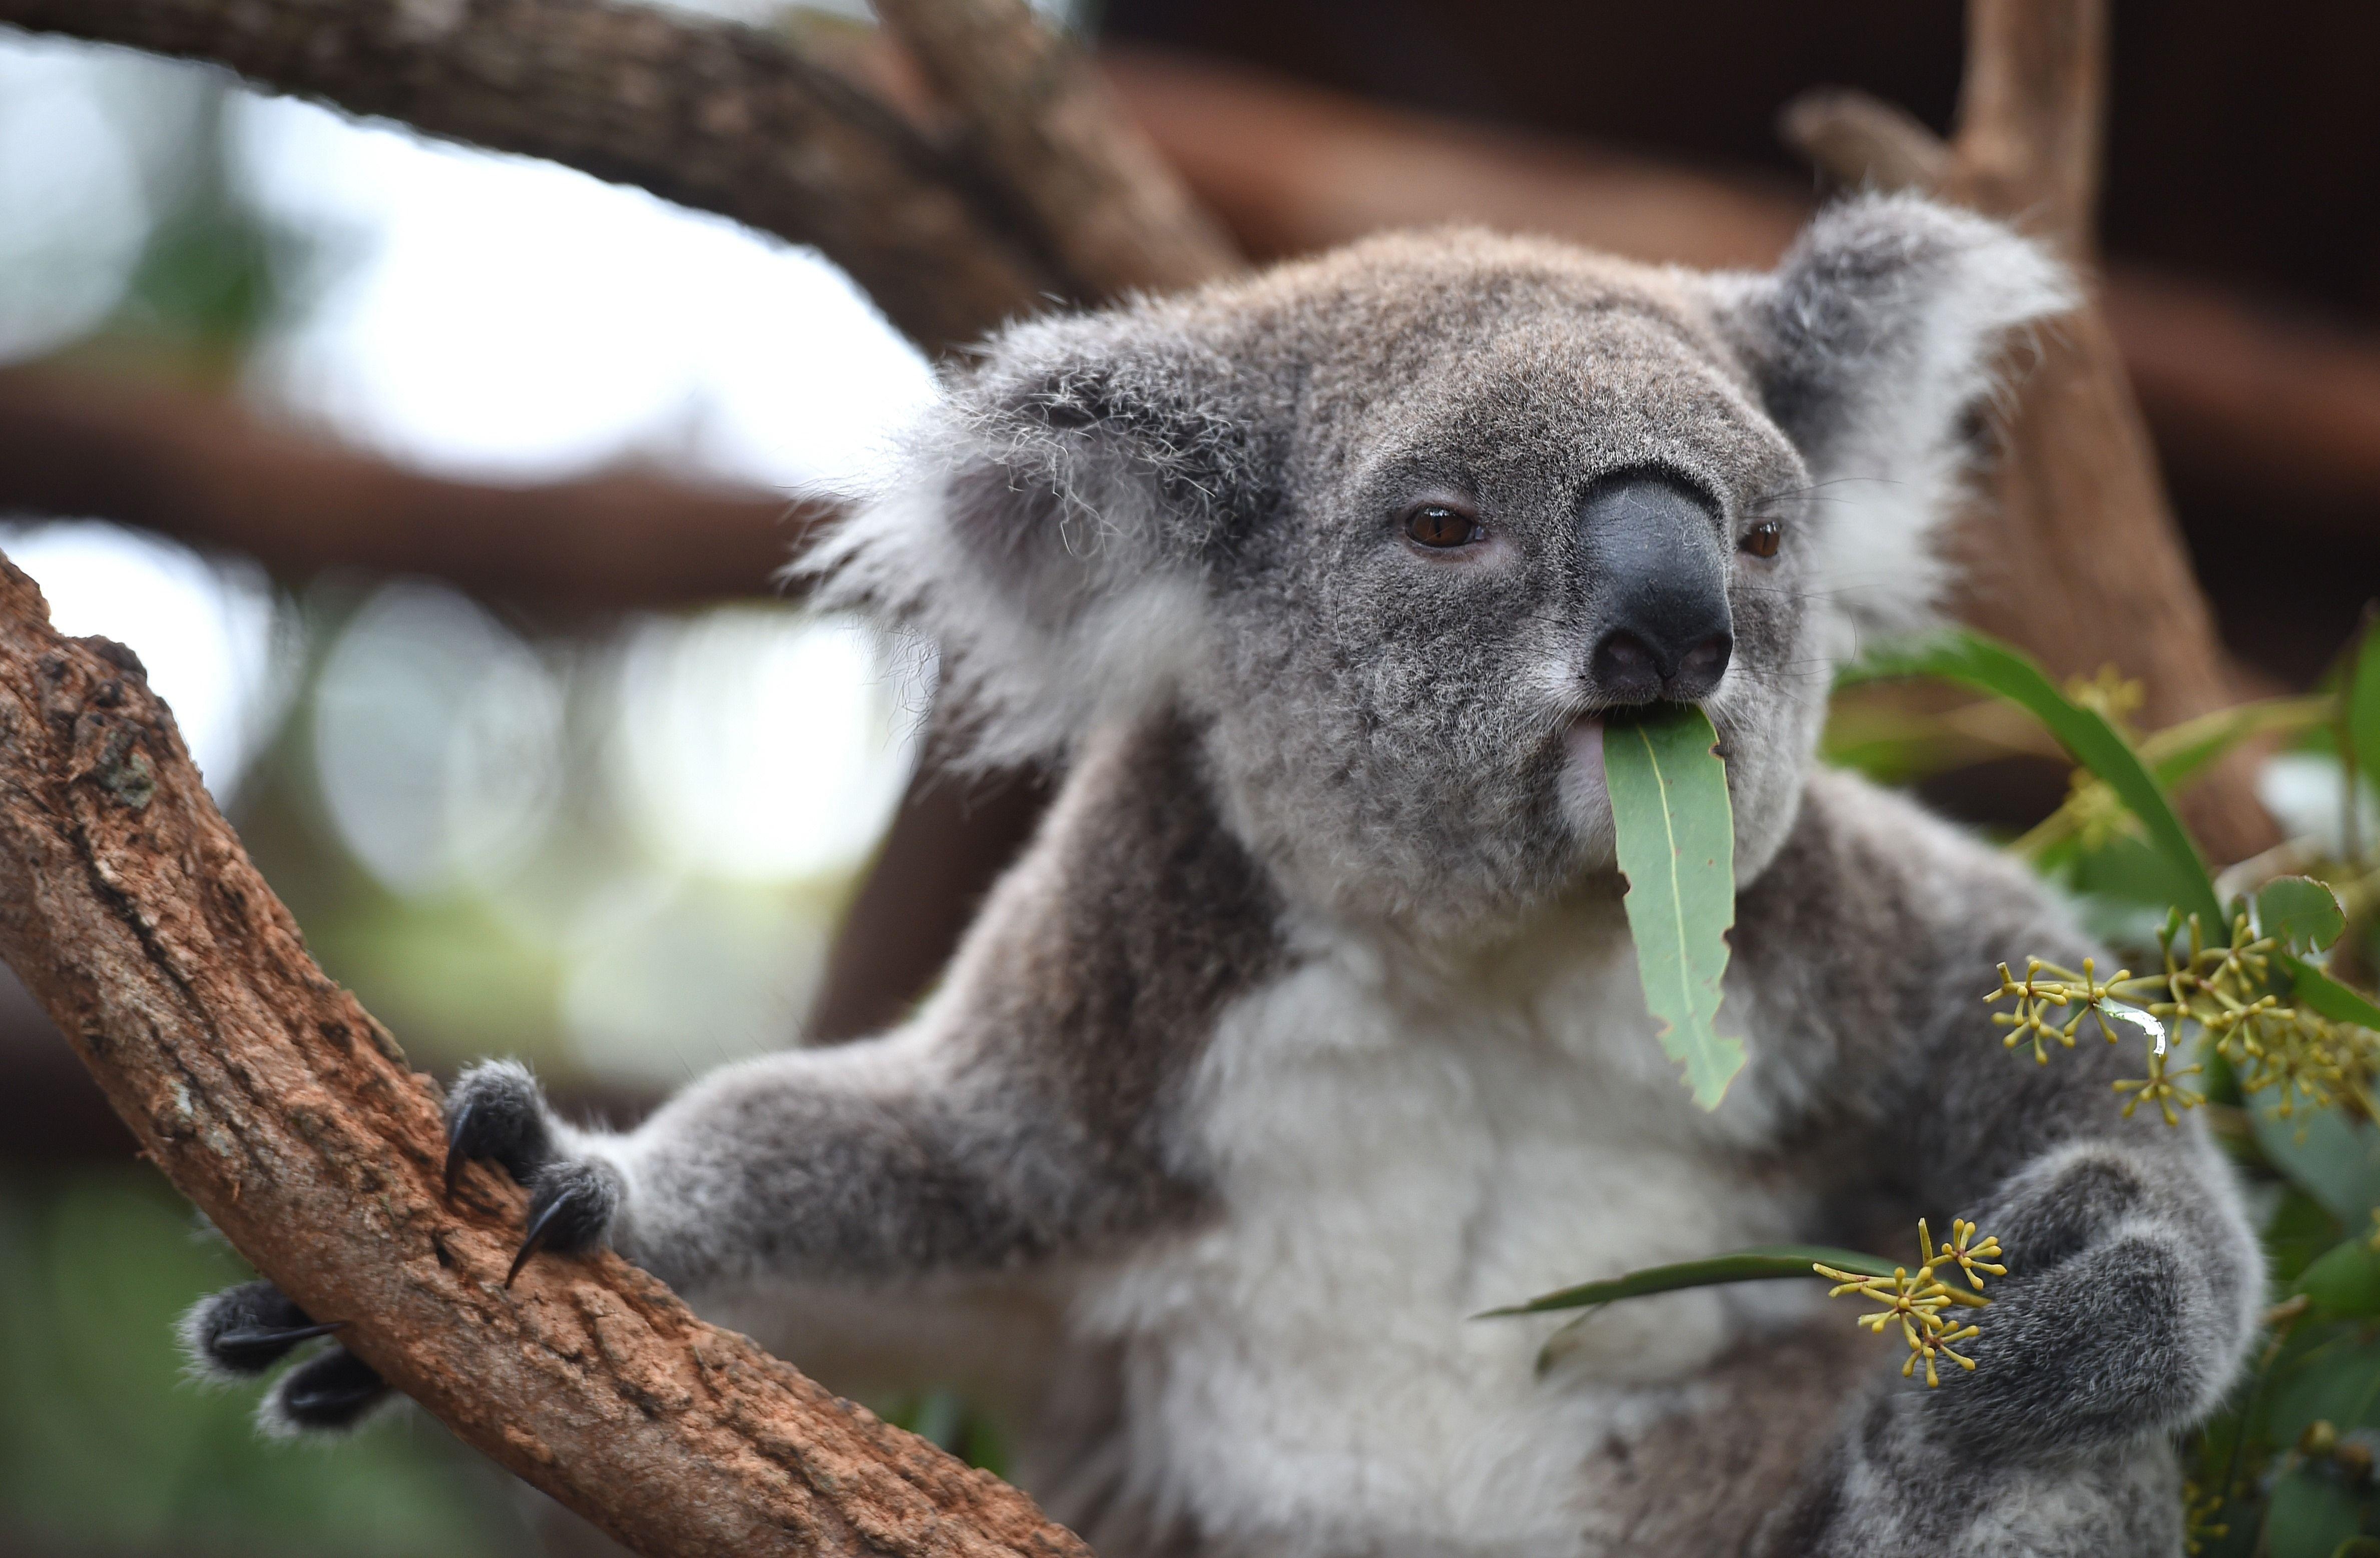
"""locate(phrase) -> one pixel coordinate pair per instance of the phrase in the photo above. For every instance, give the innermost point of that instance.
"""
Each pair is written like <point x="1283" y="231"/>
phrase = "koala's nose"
<point x="1657" y="581"/>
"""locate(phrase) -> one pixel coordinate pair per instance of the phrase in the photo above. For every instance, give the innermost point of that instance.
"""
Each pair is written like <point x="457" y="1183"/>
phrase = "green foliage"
<point x="1676" y="840"/>
<point x="1989" y="667"/>
<point x="104" y="1442"/>
<point x="2288" y="1471"/>
<point x="1764" y="1263"/>
<point x="2288" y="1051"/>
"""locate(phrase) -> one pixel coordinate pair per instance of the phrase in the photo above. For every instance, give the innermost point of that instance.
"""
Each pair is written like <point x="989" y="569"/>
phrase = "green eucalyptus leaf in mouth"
<point x="1675" y="833"/>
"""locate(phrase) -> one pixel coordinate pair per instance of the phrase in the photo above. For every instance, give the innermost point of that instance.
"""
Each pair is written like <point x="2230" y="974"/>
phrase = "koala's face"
<point x="1401" y="530"/>
<point x="1516" y="500"/>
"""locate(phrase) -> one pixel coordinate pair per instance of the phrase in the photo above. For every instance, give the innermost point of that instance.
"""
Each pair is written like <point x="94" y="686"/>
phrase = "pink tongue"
<point x="1585" y="742"/>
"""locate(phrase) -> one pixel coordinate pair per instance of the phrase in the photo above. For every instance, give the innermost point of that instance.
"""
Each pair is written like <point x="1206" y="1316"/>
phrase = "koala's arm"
<point x="2134" y="1281"/>
<point x="1021" y="1114"/>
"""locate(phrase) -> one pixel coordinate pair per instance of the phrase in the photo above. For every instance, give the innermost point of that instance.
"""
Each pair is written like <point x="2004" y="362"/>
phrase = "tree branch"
<point x="2083" y="562"/>
<point x="200" y="468"/>
<point x="716" y="116"/>
<point x="2292" y="404"/>
<point x="277" y="1105"/>
<point x="1036" y="112"/>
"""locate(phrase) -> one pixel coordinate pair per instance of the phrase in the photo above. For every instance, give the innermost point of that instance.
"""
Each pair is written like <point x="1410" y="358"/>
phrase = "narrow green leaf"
<point x="2364" y="709"/>
<point x="2302" y="913"/>
<point x="1764" y="1263"/>
<point x="1675" y="833"/>
<point x="2309" y="986"/>
<point x="2331" y="1158"/>
<point x="1985" y="664"/>
<point x="2180" y="751"/>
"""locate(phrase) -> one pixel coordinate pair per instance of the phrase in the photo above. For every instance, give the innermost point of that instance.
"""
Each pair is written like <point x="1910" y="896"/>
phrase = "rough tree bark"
<point x="2081" y="559"/>
<point x="286" y="1113"/>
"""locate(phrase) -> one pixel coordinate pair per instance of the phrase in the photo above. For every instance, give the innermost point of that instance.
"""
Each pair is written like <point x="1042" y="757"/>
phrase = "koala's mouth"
<point x="1583" y="741"/>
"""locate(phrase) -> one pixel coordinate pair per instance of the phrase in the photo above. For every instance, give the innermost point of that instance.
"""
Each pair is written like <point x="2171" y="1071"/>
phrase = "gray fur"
<point x="1333" y="842"/>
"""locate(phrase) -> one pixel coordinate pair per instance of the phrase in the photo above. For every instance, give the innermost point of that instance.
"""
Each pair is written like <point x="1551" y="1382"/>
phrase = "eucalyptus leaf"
<point x="2311" y="1516"/>
<point x="1675" y="833"/>
<point x="2310" y="987"/>
<point x="1764" y="1263"/>
<point x="2345" y="1284"/>
<point x="2331" y="1158"/>
<point x="2301" y="912"/>
<point x="1988" y="665"/>
<point x="2363" y="710"/>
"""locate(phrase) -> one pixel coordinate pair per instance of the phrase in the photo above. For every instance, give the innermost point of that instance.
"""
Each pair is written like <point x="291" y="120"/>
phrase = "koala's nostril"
<point x="1700" y="668"/>
<point x="1629" y="669"/>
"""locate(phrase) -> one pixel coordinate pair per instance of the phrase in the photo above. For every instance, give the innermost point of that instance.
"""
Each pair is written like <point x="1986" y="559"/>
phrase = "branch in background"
<point x="716" y="116"/>
<point x="200" y="468"/>
<point x="2083" y="562"/>
<point x="284" y="1111"/>
<point x="1292" y="168"/>
<point x="1035" y="110"/>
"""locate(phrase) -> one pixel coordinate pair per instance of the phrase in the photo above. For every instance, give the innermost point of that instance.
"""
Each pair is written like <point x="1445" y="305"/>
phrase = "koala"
<point x="1308" y="1027"/>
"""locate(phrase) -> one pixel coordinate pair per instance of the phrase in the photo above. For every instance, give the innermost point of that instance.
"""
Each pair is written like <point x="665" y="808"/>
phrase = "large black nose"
<point x="1656" y="582"/>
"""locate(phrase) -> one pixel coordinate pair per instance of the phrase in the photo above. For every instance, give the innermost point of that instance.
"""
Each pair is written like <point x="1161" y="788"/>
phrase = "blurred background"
<point x="618" y="843"/>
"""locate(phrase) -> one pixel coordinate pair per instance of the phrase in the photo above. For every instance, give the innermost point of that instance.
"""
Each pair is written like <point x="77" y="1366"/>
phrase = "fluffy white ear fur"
<point x="1044" y="535"/>
<point x="1877" y="337"/>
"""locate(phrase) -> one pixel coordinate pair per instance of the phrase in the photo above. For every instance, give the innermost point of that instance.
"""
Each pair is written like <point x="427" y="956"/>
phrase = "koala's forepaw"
<point x="241" y="1331"/>
<point x="2102" y="1345"/>
<point x="497" y="1114"/>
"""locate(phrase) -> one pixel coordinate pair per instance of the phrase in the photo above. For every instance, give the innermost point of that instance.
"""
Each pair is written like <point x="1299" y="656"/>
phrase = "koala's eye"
<point x="1440" y="527"/>
<point x="1763" y="539"/>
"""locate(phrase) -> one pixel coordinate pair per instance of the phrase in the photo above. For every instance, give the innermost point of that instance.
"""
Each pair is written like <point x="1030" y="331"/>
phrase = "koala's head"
<point x="1394" y="527"/>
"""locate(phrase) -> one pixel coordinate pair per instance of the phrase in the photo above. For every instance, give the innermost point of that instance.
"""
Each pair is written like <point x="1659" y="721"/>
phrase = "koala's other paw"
<point x="496" y="1114"/>
<point x="2107" y="1344"/>
<point x="242" y="1332"/>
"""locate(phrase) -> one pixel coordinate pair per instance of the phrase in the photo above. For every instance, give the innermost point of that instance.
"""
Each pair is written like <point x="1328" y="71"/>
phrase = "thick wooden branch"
<point x="1036" y="112"/>
<point x="720" y="118"/>
<point x="199" y="466"/>
<point x="278" y="1104"/>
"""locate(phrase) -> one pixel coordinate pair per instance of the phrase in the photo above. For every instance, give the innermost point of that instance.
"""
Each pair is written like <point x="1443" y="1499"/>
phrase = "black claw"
<point x="251" y="1350"/>
<point x="246" y="1330"/>
<point x="570" y="1209"/>
<point x="332" y="1392"/>
<point x="541" y="1228"/>
<point x="456" y="1125"/>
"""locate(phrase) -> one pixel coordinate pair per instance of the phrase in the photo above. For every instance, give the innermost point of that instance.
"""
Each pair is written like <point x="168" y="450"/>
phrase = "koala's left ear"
<point x="1871" y="345"/>
<point x="1055" y="514"/>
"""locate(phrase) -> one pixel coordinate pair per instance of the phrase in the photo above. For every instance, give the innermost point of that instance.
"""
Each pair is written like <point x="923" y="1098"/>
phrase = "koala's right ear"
<point x="1872" y="344"/>
<point x="1053" y="518"/>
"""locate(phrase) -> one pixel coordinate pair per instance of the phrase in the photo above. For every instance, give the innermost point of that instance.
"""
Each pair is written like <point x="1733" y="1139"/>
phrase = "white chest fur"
<point x="1393" y="1156"/>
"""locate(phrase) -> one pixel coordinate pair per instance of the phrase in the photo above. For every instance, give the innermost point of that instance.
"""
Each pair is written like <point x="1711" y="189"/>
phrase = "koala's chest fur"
<point x="1391" y="1156"/>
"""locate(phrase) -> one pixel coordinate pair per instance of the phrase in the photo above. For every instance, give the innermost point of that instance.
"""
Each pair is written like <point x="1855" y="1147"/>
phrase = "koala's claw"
<point x="496" y="1114"/>
<point x="570" y="1208"/>
<point x="241" y="1331"/>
